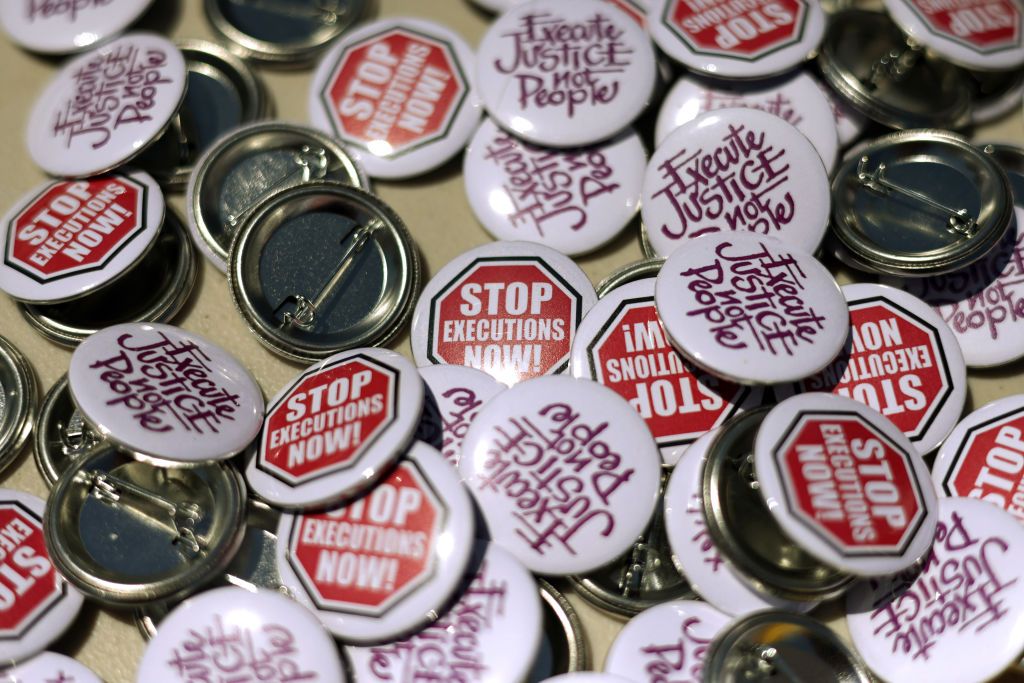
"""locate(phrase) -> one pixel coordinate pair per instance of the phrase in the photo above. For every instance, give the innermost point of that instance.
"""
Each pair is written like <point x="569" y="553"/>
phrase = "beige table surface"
<point x="434" y="208"/>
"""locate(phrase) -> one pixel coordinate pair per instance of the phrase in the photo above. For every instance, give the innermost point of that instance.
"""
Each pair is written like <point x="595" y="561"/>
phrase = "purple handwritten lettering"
<point x="685" y="654"/>
<point x="46" y="9"/>
<point x="775" y="103"/>
<point x="448" y="427"/>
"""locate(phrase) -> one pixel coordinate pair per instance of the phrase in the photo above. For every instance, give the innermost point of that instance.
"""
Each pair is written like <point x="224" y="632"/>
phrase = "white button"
<point x="978" y="34"/>
<point x="231" y="633"/>
<point x="39" y="605"/>
<point x="453" y="397"/>
<point x="845" y="484"/>
<point x="336" y="428"/>
<point x="57" y="28"/>
<point x="491" y="635"/>
<point x="622" y="345"/>
<point x="564" y="471"/>
<point x="570" y="200"/>
<point x="165" y="394"/>
<point x="587" y="677"/>
<point x="49" y="667"/>
<point x="107" y="105"/>
<point x="751" y="309"/>
<point x="850" y="123"/>
<point x="670" y="638"/>
<point x="510" y="309"/>
<point x="399" y="93"/>
<point x="728" y="39"/>
<point x="384" y="564"/>
<point x="735" y="170"/>
<point x="565" y="74"/>
<point x="900" y="359"/>
<point x="796" y="99"/>
<point x="693" y="551"/>
<point x="961" y="620"/>
<point x="66" y="238"/>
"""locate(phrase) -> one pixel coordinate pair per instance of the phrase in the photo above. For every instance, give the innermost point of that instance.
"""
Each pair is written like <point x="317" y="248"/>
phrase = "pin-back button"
<point x="587" y="677"/>
<point x="491" y="634"/>
<point x="563" y="648"/>
<point x="62" y="435"/>
<point x="39" y="605"/>
<point x="17" y="402"/>
<point x="510" y="309"/>
<point x="508" y="183"/>
<point x="290" y="643"/>
<point x="453" y="397"/>
<point x="385" y="564"/>
<point x="737" y="40"/>
<point x="91" y="118"/>
<point x="850" y="123"/>
<point x="919" y="203"/>
<point x="967" y="624"/>
<point x="399" y="93"/>
<point x="565" y="75"/>
<point x="49" y="667"/>
<point x="631" y="272"/>
<point x="731" y="334"/>
<point x="336" y="429"/>
<point x="735" y="170"/>
<point x="56" y="28"/>
<point x="321" y="268"/>
<point x="126" y="533"/>
<point x="566" y="435"/>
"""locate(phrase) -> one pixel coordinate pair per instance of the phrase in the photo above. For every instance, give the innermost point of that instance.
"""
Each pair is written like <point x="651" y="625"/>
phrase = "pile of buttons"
<point x="717" y="443"/>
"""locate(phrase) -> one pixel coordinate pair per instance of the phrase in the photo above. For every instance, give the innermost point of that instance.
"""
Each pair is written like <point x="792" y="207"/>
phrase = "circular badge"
<point x="104" y="107"/>
<point x="399" y="93"/>
<point x="735" y="170"/>
<point x="38" y="604"/>
<point x="751" y="308"/>
<point x="234" y="633"/>
<point x="165" y="394"/>
<point x="452" y="398"/>
<point x="510" y="309"/>
<point x="566" y="74"/>
<point x="622" y="345"/>
<point x="336" y="428"/>
<point x="850" y="123"/>
<point x="49" y="667"/>
<point x="571" y="200"/>
<point x="564" y="471"/>
<point x="797" y="99"/>
<point x="959" y="618"/>
<point x="67" y="238"/>
<point x="845" y="484"/>
<point x="668" y="638"/>
<point x="471" y="641"/>
<point x="900" y="359"/>
<point x="383" y="565"/>
<point x="586" y="677"/>
<point x="57" y="28"/>
<point x="729" y="39"/>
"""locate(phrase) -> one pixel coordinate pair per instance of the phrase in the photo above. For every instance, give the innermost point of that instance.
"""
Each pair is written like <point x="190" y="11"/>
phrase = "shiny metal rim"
<point x="645" y="243"/>
<point x="41" y="449"/>
<point x="18" y="379"/>
<point x="578" y="654"/>
<point x="649" y="267"/>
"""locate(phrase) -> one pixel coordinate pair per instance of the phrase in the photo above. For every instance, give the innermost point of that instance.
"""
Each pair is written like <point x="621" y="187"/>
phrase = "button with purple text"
<point x="49" y="667"/>
<point x="452" y="398"/>
<point x="57" y="28"/>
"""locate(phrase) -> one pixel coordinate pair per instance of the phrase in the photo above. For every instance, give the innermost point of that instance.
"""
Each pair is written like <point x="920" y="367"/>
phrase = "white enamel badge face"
<point x="57" y="28"/>
<point x="49" y="667"/>
<point x="453" y="397"/>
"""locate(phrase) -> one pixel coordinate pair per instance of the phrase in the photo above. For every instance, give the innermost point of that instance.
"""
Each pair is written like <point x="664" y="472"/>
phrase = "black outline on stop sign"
<point x="56" y="598"/>
<point x="962" y="449"/>
<point x="797" y="36"/>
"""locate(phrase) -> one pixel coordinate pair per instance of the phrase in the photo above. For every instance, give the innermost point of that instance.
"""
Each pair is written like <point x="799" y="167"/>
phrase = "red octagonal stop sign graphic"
<point x="75" y="226"/>
<point x="850" y="485"/>
<point x="29" y="586"/>
<point x="395" y="91"/>
<point x="985" y="25"/>
<point x="737" y="28"/>
<point x="632" y="356"/>
<point x="368" y="555"/>
<point x="328" y="419"/>
<point x="514" y="319"/>
<point x="989" y="464"/>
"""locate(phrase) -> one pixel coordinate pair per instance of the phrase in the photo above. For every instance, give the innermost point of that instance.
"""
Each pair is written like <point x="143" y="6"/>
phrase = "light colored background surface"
<point x="434" y="208"/>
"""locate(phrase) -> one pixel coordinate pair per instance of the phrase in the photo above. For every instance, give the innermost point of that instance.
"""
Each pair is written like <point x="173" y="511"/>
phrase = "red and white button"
<point x="902" y="360"/>
<point x="729" y="39"/>
<point x="492" y="634"/>
<point x="399" y="93"/>
<point x="233" y="634"/>
<point x="510" y="309"/>
<point x="565" y="74"/>
<point x="57" y="28"/>
<point x="622" y="345"/>
<point x="36" y="604"/>
<point x="453" y="397"/>
<point x="383" y="565"/>
<point x="960" y="618"/>
<point x="107" y="105"/>
<point x="751" y="309"/>
<point x="845" y="484"/>
<point x="564" y="472"/>
<point x="735" y="170"/>
<point x="49" y="667"/>
<point x="797" y="99"/>
<point x="570" y="200"/>
<point x="67" y="238"/>
<point x="336" y="428"/>
<point x="165" y="394"/>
